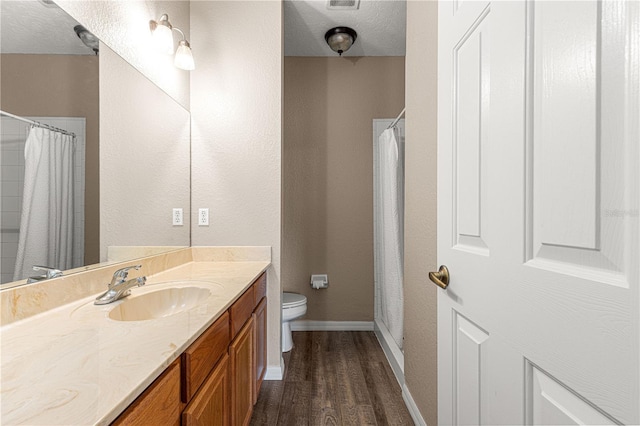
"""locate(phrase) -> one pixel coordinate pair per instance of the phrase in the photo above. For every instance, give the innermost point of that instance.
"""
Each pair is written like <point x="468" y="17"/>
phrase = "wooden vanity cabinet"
<point x="248" y="350"/>
<point x="218" y="377"/>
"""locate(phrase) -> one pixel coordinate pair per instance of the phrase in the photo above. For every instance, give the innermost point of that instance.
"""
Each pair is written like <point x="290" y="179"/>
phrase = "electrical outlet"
<point x="203" y="217"/>
<point x="177" y="217"/>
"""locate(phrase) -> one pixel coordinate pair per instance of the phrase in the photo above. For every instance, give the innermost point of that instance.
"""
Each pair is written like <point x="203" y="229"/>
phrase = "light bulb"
<point x="340" y="42"/>
<point x="162" y="36"/>
<point x="184" y="56"/>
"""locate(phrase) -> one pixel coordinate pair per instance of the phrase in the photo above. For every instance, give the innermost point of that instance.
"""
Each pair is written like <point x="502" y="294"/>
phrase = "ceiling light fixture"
<point x="340" y="39"/>
<point x="162" y="36"/>
<point x="89" y="40"/>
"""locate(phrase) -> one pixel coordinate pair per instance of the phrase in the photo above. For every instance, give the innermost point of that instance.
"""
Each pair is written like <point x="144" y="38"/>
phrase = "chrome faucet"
<point x="48" y="274"/>
<point x="119" y="286"/>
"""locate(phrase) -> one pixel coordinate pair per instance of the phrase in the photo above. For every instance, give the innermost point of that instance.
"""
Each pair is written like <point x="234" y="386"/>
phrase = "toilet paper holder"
<point x="319" y="281"/>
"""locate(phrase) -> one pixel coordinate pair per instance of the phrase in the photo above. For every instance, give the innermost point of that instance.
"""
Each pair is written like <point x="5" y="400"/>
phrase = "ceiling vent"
<point x="343" y="4"/>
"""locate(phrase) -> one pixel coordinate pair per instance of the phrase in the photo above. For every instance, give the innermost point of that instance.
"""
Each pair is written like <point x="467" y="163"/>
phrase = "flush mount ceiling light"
<point x="89" y="40"/>
<point x="340" y="39"/>
<point x="162" y="37"/>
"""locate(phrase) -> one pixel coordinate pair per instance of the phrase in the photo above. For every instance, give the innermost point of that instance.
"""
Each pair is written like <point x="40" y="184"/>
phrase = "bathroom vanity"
<point x="78" y="363"/>
<point x="218" y="377"/>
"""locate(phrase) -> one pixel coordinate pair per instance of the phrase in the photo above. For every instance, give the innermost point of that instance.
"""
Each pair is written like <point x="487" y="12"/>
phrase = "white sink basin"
<point x="159" y="303"/>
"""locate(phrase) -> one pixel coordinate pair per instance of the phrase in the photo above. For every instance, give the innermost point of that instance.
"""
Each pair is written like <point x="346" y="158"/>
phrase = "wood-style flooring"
<point x="333" y="378"/>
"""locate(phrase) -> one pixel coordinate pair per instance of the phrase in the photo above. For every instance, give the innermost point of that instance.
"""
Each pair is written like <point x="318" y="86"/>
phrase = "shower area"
<point x="48" y="172"/>
<point x="388" y="232"/>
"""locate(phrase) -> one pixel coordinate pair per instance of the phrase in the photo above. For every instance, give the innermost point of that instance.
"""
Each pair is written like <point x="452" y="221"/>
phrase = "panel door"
<point x="211" y="405"/>
<point x="538" y="211"/>
<point x="242" y="375"/>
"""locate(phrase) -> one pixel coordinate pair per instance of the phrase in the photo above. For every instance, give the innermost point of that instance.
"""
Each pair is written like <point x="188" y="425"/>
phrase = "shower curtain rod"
<point x="397" y="119"/>
<point x="37" y="123"/>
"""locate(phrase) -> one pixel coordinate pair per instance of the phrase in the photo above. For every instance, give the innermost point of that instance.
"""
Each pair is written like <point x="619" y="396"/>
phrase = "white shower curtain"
<point x="390" y="211"/>
<point x="46" y="224"/>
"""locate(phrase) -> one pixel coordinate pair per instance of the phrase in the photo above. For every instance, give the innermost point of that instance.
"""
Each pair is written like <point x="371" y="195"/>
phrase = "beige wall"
<point x="61" y="86"/>
<point x="236" y="107"/>
<point x="144" y="159"/>
<point x="420" y="333"/>
<point x="328" y="177"/>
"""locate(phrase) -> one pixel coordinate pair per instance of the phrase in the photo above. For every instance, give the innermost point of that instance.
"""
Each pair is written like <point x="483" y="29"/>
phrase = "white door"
<point x="538" y="212"/>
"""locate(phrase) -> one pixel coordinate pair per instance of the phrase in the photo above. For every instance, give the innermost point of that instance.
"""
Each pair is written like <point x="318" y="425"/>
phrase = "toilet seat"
<point x="292" y="300"/>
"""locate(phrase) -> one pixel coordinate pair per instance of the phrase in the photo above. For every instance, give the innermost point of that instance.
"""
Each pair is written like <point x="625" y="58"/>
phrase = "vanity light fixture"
<point x="340" y="39"/>
<point x="162" y="36"/>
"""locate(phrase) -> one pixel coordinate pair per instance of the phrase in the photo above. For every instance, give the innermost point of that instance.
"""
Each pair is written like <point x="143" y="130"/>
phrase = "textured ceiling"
<point x="381" y="27"/>
<point x="31" y="26"/>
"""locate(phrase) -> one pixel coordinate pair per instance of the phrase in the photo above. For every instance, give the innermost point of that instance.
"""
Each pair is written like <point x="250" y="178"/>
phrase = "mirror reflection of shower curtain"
<point x="46" y="224"/>
<point x="391" y="214"/>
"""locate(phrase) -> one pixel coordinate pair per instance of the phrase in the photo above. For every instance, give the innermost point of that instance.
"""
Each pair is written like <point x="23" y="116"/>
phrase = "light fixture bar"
<point x="162" y="35"/>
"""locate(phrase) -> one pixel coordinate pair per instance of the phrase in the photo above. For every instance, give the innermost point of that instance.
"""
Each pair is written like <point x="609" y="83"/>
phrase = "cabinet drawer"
<point x="241" y="310"/>
<point x="260" y="287"/>
<point x="159" y="404"/>
<point x="200" y="358"/>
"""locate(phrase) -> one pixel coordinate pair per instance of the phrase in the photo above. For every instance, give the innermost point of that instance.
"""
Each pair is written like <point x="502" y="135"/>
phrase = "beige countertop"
<point x="74" y="365"/>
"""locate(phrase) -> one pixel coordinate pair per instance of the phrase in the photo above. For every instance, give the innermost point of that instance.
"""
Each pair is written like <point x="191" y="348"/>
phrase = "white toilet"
<point x="294" y="306"/>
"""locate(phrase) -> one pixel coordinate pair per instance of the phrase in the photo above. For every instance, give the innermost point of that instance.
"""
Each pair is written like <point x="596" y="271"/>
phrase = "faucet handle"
<point x="124" y="272"/>
<point x="49" y="271"/>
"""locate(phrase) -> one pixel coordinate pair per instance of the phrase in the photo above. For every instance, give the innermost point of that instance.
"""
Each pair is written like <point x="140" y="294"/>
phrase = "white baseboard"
<point x="391" y="350"/>
<point x="275" y="372"/>
<point x="412" y="407"/>
<point x="304" y="325"/>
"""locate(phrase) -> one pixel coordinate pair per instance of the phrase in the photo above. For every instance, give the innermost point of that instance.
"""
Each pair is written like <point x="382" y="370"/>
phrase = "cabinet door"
<point x="259" y="346"/>
<point x="159" y="404"/>
<point x="210" y="406"/>
<point x="242" y="375"/>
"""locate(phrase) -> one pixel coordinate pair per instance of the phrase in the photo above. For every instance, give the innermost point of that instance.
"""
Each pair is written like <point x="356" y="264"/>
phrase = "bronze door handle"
<point x="440" y="278"/>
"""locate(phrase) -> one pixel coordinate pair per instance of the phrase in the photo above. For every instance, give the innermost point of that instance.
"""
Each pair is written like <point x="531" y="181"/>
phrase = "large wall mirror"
<point x="129" y="163"/>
